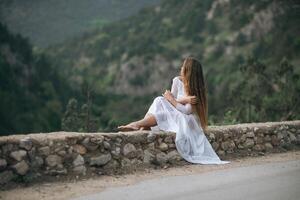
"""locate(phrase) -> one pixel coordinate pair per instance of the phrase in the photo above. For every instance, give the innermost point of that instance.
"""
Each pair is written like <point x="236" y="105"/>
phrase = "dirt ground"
<point x="67" y="189"/>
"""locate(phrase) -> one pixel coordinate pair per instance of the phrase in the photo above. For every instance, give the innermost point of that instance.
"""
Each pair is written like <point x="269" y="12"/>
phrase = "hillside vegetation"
<point x="137" y="57"/>
<point x="249" y="51"/>
<point x="32" y="92"/>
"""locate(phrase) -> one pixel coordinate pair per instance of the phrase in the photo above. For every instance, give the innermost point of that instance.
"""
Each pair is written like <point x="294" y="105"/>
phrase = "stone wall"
<point x="71" y="154"/>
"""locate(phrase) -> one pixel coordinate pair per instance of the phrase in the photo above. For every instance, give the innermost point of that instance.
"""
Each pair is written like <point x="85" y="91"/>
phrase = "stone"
<point x="249" y="143"/>
<point x="26" y="143"/>
<point x="113" y="164"/>
<point x="232" y="145"/>
<point x="18" y="155"/>
<point x="81" y="169"/>
<point x="243" y="138"/>
<point x="97" y="140"/>
<point x="293" y="130"/>
<point x="148" y="157"/>
<point x="79" y="160"/>
<point x="136" y="162"/>
<point x="268" y="146"/>
<point x="116" y="152"/>
<point x="129" y="150"/>
<point x="7" y="148"/>
<point x="292" y="138"/>
<point x="139" y="153"/>
<point x="259" y="140"/>
<point x="91" y="146"/>
<point x="100" y="160"/>
<point x="215" y="146"/>
<point x="250" y="135"/>
<point x="258" y="147"/>
<point x="169" y="139"/>
<point x="45" y="151"/>
<point x="221" y="152"/>
<point x="37" y="162"/>
<point x="125" y="162"/>
<point x="225" y="145"/>
<point x="6" y="177"/>
<point x="31" y="153"/>
<point x="107" y="145"/>
<point x="226" y="136"/>
<point x="151" y="137"/>
<point x="79" y="149"/>
<point x="136" y="138"/>
<point x="163" y="146"/>
<point x="119" y="140"/>
<point x="267" y="138"/>
<point x="21" y="168"/>
<point x="274" y="140"/>
<point x="173" y="157"/>
<point x="151" y="145"/>
<point x="3" y="164"/>
<point x="55" y="172"/>
<point x="53" y="160"/>
<point x="212" y="136"/>
<point x="280" y="136"/>
<point x="161" y="158"/>
<point x="62" y="153"/>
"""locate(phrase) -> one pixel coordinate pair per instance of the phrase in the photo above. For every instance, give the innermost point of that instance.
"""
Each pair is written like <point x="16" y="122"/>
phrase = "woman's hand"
<point x="168" y="95"/>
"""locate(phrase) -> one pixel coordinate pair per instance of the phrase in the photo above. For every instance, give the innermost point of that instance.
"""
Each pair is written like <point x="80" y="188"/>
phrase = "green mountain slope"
<point x="138" y="56"/>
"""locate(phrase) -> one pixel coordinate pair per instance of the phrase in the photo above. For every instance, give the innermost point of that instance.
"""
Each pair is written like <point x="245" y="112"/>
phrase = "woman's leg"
<point x="146" y="127"/>
<point x="148" y="121"/>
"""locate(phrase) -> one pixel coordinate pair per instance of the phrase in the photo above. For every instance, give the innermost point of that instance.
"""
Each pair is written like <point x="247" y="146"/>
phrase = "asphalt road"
<point x="278" y="180"/>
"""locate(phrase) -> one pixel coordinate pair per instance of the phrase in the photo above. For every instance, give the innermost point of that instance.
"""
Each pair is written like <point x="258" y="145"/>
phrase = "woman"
<point x="183" y="110"/>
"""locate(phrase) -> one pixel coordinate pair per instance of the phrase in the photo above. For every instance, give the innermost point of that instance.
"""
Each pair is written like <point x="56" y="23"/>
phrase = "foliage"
<point x="32" y="93"/>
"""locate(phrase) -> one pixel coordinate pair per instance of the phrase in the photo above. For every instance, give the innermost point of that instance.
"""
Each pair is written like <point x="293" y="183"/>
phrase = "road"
<point x="280" y="180"/>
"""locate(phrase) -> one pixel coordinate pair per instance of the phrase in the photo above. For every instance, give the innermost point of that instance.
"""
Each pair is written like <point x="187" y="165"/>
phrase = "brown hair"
<point x="194" y="85"/>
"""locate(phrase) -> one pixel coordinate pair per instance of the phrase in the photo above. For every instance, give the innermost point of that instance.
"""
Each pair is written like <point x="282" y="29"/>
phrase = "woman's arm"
<point x="187" y="99"/>
<point x="182" y="100"/>
<point x="187" y="108"/>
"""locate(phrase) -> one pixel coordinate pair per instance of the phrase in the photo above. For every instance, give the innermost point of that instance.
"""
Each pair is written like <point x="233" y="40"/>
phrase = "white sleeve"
<point x="174" y="88"/>
<point x="186" y="109"/>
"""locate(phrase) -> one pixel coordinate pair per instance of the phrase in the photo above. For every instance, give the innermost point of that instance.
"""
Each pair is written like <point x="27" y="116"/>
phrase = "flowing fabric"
<point x="191" y="142"/>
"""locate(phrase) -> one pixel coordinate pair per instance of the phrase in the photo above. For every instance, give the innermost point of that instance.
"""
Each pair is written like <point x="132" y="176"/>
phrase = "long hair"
<point x="194" y="85"/>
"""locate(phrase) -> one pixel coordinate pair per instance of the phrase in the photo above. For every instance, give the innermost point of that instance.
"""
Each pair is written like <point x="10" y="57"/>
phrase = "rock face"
<point x="66" y="153"/>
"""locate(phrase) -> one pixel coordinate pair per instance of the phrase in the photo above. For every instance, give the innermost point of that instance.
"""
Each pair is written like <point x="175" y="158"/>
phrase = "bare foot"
<point x="145" y="128"/>
<point x="129" y="127"/>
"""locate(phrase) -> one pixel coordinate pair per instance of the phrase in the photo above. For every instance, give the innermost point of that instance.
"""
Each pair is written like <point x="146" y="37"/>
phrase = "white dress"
<point x="191" y="142"/>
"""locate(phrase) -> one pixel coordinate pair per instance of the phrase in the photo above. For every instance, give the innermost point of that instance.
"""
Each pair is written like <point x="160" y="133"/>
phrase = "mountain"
<point x="249" y="51"/>
<point x="51" y="22"/>
<point x="138" y="56"/>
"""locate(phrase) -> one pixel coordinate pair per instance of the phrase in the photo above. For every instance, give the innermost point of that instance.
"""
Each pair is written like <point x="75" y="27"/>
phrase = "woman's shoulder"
<point x="176" y="78"/>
